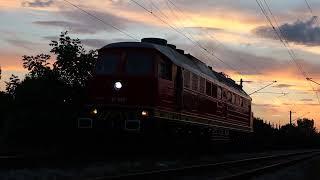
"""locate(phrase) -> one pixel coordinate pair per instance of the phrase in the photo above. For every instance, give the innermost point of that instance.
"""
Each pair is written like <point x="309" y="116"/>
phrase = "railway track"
<point x="238" y="169"/>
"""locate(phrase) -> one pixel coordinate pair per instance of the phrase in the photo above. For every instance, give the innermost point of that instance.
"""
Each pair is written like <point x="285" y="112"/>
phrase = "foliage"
<point x="37" y="66"/>
<point x="73" y="64"/>
<point x="288" y="136"/>
<point x="47" y="100"/>
<point x="306" y="127"/>
<point x="12" y="85"/>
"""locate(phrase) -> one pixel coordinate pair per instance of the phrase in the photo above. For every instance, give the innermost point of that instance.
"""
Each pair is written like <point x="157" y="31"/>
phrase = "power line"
<point x="308" y="5"/>
<point x="184" y="35"/>
<point x="317" y="22"/>
<point x="311" y="11"/>
<point x="276" y="28"/>
<point x="262" y="87"/>
<point x="102" y="21"/>
<point x="219" y="43"/>
<point x="284" y="40"/>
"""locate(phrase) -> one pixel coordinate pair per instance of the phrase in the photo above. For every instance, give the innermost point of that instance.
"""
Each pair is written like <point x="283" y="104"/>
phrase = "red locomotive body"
<point x="150" y="85"/>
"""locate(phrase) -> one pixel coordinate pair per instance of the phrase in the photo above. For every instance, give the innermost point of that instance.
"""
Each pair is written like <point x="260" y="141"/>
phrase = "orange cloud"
<point x="10" y="3"/>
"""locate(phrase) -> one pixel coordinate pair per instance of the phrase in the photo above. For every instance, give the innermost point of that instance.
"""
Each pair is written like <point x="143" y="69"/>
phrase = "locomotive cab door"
<point x="179" y="88"/>
<point x="166" y="85"/>
<point x="224" y="105"/>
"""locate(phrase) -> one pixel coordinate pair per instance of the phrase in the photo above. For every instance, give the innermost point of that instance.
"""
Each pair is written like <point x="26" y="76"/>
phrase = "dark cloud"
<point x="300" y="32"/>
<point x="297" y="104"/>
<point x="306" y="99"/>
<point x="37" y="3"/>
<point x="95" y="43"/>
<point x="51" y="38"/>
<point x="283" y="85"/>
<point x="207" y="29"/>
<point x="99" y="43"/>
<point x="246" y="63"/>
<point x="73" y="27"/>
<point x="265" y="105"/>
<point x="77" y="22"/>
<point x="92" y="43"/>
<point x="23" y="44"/>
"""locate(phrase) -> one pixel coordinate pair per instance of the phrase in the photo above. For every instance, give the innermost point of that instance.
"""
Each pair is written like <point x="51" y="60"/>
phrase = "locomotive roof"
<point x="186" y="61"/>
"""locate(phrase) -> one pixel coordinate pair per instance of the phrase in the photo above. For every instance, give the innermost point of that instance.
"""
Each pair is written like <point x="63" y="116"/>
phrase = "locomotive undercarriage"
<point x="150" y="123"/>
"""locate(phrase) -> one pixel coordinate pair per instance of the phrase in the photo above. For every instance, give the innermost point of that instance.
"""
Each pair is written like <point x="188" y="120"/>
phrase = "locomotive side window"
<point x="237" y="100"/>
<point x="224" y="94"/>
<point x="107" y="63"/>
<point x="229" y="97"/>
<point x="195" y="80"/>
<point x="138" y="63"/>
<point x="219" y="93"/>
<point x="208" y="88"/>
<point x="245" y="103"/>
<point x="233" y="98"/>
<point x="201" y="86"/>
<point x="186" y="78"/>
<point x="214" y="90"/>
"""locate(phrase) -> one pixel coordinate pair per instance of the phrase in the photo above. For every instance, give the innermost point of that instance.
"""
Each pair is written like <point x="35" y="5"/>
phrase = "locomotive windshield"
<point x="135" y="63"/>
<point x="138" y="63"/>
<point x="107" y="63"/>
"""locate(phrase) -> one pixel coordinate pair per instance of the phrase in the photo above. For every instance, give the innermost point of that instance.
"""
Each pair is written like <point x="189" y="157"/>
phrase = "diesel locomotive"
<point x="151" y="86"/>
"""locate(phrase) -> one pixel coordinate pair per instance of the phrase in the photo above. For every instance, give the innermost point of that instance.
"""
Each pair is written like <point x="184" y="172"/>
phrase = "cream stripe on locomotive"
<point x="214" y="122"/>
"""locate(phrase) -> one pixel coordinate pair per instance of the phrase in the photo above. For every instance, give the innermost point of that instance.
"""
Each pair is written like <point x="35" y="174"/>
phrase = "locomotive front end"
<point x="122" y="92"/>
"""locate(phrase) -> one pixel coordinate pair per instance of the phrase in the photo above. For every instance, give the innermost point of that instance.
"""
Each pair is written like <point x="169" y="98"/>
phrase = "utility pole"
<point x="291" y="117"/>
<point x="242" y="81"/>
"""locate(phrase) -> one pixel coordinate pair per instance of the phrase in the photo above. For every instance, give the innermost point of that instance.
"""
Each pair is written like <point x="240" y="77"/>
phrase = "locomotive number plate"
<point x="118" y="99"/>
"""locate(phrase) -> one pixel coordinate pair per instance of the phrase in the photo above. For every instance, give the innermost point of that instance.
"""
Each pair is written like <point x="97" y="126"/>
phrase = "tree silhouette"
<point x="73" y="64"/>
<point x="12" y="85"/>
<point x="48" y="99"/>
<point x="306" y="127"/>
<point x="37" y="66"/>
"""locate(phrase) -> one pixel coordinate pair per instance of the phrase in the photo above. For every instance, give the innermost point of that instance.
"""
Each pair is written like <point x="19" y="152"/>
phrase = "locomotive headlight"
<point x="144" y="113"/>
<point x="94" y="111"/>
<point x="117" y="85"/>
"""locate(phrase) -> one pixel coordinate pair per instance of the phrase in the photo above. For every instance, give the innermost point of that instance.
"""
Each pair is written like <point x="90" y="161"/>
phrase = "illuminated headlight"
<point x="117" y="85"/>
<point x="94" y="111"/>
<point x="144" y="113"/>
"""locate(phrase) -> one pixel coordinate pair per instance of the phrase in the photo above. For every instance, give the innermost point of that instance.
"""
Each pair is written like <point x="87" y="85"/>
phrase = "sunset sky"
<point x="236" y="31"/>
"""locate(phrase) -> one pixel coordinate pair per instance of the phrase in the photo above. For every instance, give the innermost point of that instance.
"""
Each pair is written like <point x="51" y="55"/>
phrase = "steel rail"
<point x="267" y="168"/>
<point x="202" y="167"/>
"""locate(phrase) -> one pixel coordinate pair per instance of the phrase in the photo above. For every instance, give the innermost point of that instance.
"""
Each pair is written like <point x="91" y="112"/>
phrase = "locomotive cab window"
<point x="107" y="63"/>
<point x="165" y="70"/>
<point x="138" y="63"/>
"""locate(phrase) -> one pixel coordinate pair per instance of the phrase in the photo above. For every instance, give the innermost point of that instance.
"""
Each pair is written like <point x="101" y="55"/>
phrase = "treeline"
<point x="300" y="135"/>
